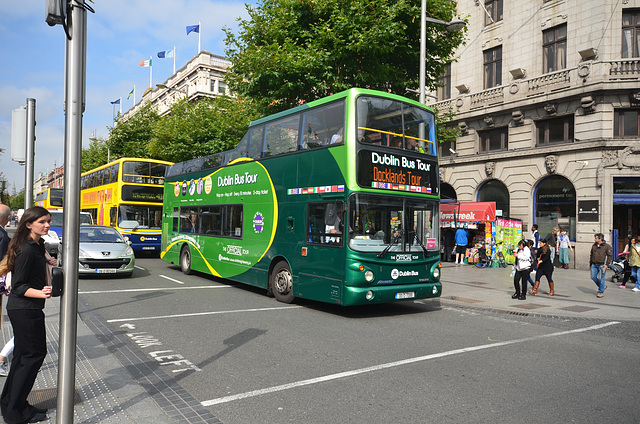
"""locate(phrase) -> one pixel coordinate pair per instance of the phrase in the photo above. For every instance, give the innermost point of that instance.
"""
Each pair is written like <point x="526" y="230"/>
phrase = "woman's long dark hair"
<point x="544" y="249"/>
<point x="21" y="236"/>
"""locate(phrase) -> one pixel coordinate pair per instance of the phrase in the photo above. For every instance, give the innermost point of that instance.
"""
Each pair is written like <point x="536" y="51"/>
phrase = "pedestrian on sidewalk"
<point x="523" y="264"/>
<point x="462" y="239"/>
<point x="545" y="268"/>
<point x="634" y="261"/>
<point x="535" y="236"/>
<point x="564" y="246"/>
<point x="26" y="261"/>
<point x="5" y="220"/>
<point x="599" y="260"/>
<point x="552" y="242"/>
<point x="534" y="262"/>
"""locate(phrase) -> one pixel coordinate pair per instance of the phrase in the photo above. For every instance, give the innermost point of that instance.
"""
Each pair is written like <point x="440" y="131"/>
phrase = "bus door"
<point x="322" y="273"/>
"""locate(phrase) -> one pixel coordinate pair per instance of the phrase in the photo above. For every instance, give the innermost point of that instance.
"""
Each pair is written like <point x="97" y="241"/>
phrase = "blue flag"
<point x="167" y="54"/>
<point x="117" y="102"/>
<point x="193" y="28"/>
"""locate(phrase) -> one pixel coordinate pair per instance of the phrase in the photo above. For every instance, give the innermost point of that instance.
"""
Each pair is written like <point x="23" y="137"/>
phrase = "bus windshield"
<point x="394" y="223"/>
<point x="140" y="217"/>
<point x="395" y="124"/>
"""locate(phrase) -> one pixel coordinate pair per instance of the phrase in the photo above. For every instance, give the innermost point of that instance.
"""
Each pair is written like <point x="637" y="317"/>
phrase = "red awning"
<point x="468" y="212"/>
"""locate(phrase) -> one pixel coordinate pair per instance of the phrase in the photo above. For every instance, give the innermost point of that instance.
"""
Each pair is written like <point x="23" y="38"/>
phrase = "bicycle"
<point x="481" y="260"/>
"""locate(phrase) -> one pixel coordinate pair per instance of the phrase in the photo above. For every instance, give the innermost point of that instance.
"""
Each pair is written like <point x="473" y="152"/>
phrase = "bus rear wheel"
<point x="185" y="260"/>
<point x="282" y="283"/>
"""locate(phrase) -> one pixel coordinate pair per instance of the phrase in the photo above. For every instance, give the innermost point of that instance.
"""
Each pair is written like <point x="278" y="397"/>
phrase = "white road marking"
<point x="196" y="314"/>
<point x="152" y="289"/>
<point x="345" y="374"/>
<point x="171" y="279"/>
<point x="139" y="267"/>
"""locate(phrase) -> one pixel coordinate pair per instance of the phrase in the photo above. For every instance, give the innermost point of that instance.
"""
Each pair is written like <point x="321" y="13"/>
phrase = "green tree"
<point x="202" y="127"/>
<point x="17" y="201"/>
<point x="294" y="51"/>
<point x="95" y="155"/>
<point x="131" y="138"/>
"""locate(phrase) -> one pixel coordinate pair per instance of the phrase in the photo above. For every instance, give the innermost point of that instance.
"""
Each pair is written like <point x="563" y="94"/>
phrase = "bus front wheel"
<point x="185" y="260"/>
<point x="282" y="283"/>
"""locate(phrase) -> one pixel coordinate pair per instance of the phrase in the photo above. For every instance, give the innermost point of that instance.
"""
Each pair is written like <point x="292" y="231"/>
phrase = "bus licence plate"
<point x="405" y="295"/>
<point x="106" y="271"/>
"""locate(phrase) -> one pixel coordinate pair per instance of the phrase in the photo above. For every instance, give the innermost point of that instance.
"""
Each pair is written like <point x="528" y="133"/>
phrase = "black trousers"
<point x="521" y="276"/>
<point x="28" y="355"/>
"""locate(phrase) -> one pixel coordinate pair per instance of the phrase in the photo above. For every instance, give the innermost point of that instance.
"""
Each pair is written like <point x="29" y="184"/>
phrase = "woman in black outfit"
<point x="545" y="268"/>
<point x="29" y="289"/>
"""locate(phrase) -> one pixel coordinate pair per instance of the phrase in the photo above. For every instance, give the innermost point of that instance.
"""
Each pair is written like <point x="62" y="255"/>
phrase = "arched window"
<point x="447" y="193"/>
<point x="495" y="191"/>
<point x="555" y="205"/>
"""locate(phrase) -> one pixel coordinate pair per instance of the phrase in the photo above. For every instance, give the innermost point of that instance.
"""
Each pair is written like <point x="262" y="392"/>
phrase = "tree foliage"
<point x="95" y="155"/>
<point x="130" y="138"/>
<point x="294" y="51"/>
<point x="201" y="127"/>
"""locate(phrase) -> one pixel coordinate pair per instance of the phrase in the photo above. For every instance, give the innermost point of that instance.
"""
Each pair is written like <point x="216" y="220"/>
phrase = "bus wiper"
<point x="386" y="249"/>
<point x="419" y="241"/>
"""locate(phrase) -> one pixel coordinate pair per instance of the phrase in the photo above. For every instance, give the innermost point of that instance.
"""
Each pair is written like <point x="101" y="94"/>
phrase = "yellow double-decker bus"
<point x="50" y="199"/>
<point x="127" y="194"/>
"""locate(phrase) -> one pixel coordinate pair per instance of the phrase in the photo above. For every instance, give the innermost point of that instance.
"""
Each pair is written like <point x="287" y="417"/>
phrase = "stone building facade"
<point x="201" y="76"/>
<point x="547" y="101"/>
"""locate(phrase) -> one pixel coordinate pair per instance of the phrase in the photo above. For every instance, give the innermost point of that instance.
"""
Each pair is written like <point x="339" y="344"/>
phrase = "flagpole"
<point x="134" y="94"/>
<point x="151" y="71"/>
<point x="120" y="103"/>
<point x="199" y="35"/>
<point x="174" y="60"/>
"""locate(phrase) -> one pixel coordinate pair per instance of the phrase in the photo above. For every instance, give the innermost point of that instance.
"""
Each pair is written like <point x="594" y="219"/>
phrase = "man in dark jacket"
<point x="600" y="259"/>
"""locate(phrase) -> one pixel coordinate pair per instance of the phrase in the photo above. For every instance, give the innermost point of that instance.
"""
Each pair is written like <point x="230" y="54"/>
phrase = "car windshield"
<point x="100" y="235"/>
<point x="384" y="223"/>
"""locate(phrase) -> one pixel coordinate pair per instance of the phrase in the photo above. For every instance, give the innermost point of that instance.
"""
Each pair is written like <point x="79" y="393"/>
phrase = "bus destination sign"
<point x="392" y="171"/>
<point x="134" y="193"/>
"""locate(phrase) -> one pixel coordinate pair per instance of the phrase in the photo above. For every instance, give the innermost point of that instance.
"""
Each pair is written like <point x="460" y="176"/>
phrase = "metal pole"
<point x="75" y="72"/>
<point x="30" y="153"/>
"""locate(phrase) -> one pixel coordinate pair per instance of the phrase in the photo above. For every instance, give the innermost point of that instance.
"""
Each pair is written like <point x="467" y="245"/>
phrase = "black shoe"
<point x="37" y="417"/>
<point x="38" y="410"/>
<point x="523" y="297"/>
<point x="515" y="296"/>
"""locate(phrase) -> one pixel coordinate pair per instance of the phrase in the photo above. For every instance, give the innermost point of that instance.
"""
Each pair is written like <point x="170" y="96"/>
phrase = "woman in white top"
<point x="523" y="267"/>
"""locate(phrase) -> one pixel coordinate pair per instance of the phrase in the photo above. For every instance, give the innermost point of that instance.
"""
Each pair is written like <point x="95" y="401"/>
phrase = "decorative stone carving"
<point x="551" y="163"/>
<point x="489" y="168"/>
<point x="489" y="121"/>
<point x="442" y="173"/>
<point x="629" y="157"/>
<point x="551" y="109"/>
<point x="588" y="104"/>
<point x="464" y="129"/>
<point x="518" y="117"/>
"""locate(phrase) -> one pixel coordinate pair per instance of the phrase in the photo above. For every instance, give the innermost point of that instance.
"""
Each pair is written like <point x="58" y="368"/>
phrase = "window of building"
<point x="495" y="139"/>
<point x="222" y="87"/>
<point x="631" y="33"/>
<point x="444" y="88"/>
<point x="493" y="67"/>
<point x="554" y="48"/>
<point x="495" y="191"/>
<point x="445" y="148"/>
<point x="494" y="9"/>
<point x="557" y="130"/>
<point x="626" y="123"/>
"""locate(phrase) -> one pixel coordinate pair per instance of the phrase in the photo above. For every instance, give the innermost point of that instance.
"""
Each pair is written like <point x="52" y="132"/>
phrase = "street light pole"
<point x="451" y="26"/>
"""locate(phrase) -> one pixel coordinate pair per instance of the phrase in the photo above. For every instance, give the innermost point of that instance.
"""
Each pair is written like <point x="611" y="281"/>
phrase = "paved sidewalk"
<point x="492" y="288"/>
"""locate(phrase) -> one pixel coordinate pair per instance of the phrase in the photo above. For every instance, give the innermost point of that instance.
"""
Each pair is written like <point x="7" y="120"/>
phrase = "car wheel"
<point x="185" y="260"/>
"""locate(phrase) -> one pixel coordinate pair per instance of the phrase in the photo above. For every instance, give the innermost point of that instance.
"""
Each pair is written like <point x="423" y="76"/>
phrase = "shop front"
<point x="483" y="227"/>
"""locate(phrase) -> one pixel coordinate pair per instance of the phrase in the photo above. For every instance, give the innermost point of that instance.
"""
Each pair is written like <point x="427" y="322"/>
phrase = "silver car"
<point x="103" y="250"/>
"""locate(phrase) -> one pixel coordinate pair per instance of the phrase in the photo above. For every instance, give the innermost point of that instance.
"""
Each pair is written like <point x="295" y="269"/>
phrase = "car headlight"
<point x="82" y="253"/>
<point x="128" y="251"/>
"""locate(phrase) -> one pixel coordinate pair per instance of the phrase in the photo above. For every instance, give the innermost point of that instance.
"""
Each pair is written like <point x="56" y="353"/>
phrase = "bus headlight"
<point x="368" y="276"/>
<point x="436" y="272"/>
<point x="369" y="295"/>
<point x="434" y="289"/>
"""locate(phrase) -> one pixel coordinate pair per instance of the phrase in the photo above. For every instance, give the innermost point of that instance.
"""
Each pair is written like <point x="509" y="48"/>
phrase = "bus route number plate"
<point x="405" y="295"/>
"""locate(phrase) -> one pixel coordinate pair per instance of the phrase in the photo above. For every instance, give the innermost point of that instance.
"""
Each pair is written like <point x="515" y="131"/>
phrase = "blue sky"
<point x="119" y="35"/>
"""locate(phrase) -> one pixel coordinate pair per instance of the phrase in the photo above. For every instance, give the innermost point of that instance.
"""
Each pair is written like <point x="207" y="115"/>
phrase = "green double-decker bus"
<point x="336" y="201"/>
